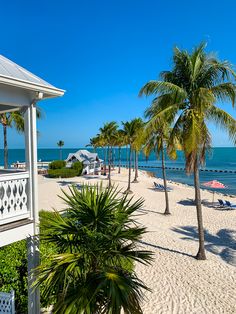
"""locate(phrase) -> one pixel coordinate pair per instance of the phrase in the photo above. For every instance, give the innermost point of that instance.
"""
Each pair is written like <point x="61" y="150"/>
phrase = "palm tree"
<point x="97" y="242"/>
<point x="13" y="119"/>
<point x="9" y="120"/>
<point x="137" y="145"/>
<point x="109" y="133"/>
<point x="157" y="134"/>
<point x="60" y="144"/>
<point x="120" y="141"/>
<point x="131" y="132"/>
<point x="189" y="93"/>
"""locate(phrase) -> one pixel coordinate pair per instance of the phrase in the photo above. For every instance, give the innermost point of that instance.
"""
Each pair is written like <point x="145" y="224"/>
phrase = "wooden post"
<point x="32" y="241"/>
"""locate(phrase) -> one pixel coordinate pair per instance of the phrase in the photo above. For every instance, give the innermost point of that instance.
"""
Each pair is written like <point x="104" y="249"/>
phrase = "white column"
<point x="32" y="241"/>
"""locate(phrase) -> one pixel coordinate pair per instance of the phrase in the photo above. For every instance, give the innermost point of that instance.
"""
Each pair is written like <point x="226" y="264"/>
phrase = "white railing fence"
<point x="7" y="303"/>
<point x="13" y="197"/>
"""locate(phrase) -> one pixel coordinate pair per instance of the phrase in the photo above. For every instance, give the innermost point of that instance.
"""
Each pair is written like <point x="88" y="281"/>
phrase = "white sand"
<point x="179" y="283"/>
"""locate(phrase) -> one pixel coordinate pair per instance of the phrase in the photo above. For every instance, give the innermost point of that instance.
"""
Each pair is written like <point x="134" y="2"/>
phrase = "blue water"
<point x="219" y="159"/>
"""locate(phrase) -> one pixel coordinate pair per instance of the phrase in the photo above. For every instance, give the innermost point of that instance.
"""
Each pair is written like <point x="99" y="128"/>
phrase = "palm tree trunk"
<point x="130" y="166"/>
<point x="109" y="165"/>
<point x="113" y="158"/>
<point x="105" y="161"/>
<point x="133" y="156"/>
<point x="127" y="156"/>
<point x="5" y="146"/>
<point x="136" y="166"/>
<point x="119" y="159"/>
<point x="167" y="210"/>
<point x="201" y="255"/>
<point x="60" y="153"/>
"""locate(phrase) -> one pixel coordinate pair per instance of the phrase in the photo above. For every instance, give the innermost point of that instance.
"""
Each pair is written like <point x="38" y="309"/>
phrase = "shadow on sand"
<point x="165" y="249"/>
<point x="222" y="244"/>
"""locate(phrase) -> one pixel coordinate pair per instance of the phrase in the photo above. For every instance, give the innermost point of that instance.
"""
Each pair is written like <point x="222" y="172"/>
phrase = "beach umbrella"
<point x="214" y="184"/>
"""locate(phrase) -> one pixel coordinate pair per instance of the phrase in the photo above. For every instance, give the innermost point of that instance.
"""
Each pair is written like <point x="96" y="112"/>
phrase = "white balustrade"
<point x="13" y="196"/>
<point x="7" y="303"/>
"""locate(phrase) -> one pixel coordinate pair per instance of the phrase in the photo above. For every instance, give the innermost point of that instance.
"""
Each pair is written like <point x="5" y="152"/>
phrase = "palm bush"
<point x="97" y="240"/>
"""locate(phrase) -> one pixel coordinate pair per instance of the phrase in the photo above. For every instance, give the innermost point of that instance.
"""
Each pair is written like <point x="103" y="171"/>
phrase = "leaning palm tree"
<point x="137" y="145"/>
<point x="60" y="144"/>
<point x="9" y="120"/>
<point x="189" y="93"/>
<point x="157" y="136"/>
<point x="130" y="129"/>
<point x="97" y="241"/>
<point x="109" y="133"/>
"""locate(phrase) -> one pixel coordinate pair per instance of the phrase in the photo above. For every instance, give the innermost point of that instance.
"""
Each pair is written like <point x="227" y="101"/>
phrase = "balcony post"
<point x="32" y="241"/>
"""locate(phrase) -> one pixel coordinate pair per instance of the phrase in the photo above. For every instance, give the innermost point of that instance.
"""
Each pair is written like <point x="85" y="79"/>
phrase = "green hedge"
<point x="13" y="269"/>
<point x="57" y="164"/>
<point x="62" y="173"/>
<point x="78" y="166"/>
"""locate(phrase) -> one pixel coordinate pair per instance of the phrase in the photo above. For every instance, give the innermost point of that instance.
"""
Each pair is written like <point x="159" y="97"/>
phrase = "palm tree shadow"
<point x="187" y="202"/>
<point x="165" y="248"/>
<point x="222" y="244"/>
<point x="150" y="211"/>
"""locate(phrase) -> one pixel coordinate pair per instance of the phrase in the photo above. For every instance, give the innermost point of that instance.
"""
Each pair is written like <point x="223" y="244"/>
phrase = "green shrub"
<point x="57" y="164"/>
<point x="62" y="173"/>
<point x="13" y="268"/>
<point x="78" y="166"/>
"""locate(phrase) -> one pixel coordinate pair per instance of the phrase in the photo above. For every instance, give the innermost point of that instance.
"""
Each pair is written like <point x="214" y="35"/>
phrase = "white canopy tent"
<point x="21" y="90"/>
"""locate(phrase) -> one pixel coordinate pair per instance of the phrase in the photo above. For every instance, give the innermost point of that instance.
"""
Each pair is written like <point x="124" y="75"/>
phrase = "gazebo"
<point x="21" y="90"/>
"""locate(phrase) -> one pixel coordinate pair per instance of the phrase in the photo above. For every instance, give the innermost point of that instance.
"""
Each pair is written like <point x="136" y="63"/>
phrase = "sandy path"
<point x="179" y="283"/>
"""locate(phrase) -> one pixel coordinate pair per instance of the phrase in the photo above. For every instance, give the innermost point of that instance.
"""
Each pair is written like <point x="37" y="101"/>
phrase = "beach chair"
<point x="230" y="205"/>
<point x="161" y="187"/>
<point x="222" y="203"/>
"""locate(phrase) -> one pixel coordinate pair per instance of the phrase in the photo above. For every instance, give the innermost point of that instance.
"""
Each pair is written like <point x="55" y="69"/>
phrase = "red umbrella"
<point x="214" y="184"/>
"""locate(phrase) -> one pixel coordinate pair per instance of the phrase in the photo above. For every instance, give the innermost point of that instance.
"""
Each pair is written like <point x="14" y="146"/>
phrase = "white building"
<point x="21" y="90"/>
<point x="92" y="163"/>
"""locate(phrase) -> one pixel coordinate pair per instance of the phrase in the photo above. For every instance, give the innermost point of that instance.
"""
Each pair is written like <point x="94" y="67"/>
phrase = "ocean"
<point x="220" y="158"/>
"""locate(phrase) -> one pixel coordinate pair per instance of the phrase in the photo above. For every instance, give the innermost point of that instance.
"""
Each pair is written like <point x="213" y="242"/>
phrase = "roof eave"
<point x="48" y="91"/>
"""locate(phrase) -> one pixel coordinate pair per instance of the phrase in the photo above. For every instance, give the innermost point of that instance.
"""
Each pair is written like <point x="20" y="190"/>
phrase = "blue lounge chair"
<point x="230" y="205"/>
<point x="222" y="203"/>
<point x="161" y="187"/>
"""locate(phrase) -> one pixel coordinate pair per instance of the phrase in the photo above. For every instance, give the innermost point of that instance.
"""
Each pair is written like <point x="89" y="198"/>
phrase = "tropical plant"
<point x="97" y="240"/>
<point x="14" y="272"/>
<point x="120" y="141"/>
<point x="188" y="94"/>
<point x="57" y="164"/>
<point x="137" y="145"/>
<point x="108" y="134"/>
<point x="95" y="142"/>
<point x="9" y="120"/>
<point x="157" y="136"/>
<point x="60" y="144"/>
<point x="13" y="119"/>
<point x="131" y="129"/>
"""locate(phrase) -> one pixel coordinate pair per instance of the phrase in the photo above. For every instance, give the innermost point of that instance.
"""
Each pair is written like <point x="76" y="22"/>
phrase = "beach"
<point x="179" y="283"/>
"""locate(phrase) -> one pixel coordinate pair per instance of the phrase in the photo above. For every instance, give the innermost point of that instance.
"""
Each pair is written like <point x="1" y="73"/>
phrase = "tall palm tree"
<point x="60" y="144"/>
<point x="120" y="141"/>
<point x="131" y="132"/>
<point x="97" y="241"/>
<point x="137" y="145"/>
<point x="13" y="119"/>
<point x="157" y="134"/>
<point x="9" y="120"/>
<point x="189" y="93"/>
<point x="109" y="133"/>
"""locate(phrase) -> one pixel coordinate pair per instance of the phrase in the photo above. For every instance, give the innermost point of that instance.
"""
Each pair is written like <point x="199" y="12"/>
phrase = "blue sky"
<point x="102" y="52"/>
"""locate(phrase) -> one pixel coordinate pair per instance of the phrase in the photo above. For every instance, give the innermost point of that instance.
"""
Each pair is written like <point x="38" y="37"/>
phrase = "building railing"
<point x="13" y="196"/>
<point x="7" y="302"/>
